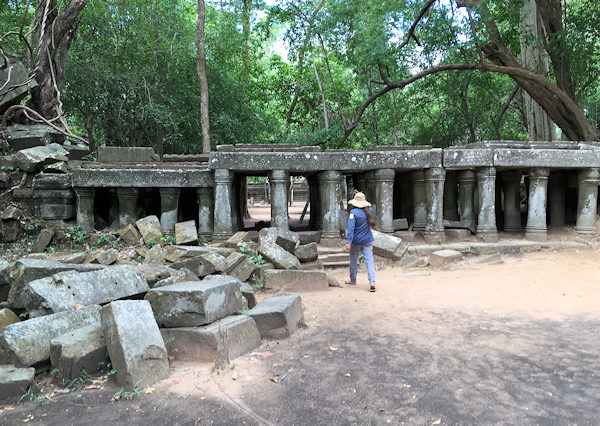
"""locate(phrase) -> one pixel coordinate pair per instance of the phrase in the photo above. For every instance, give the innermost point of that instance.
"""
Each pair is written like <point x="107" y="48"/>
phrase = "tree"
<point x="205" y="123"/>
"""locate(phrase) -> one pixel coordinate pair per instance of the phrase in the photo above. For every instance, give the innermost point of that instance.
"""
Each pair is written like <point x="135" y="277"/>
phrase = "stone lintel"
<point x="461" y="158"/>
<point x="143" y="178"/>
<point x="553" y="158"/>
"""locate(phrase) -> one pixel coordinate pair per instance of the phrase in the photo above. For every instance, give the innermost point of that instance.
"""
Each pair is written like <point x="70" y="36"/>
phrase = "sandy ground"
<point x="511" y="343"/>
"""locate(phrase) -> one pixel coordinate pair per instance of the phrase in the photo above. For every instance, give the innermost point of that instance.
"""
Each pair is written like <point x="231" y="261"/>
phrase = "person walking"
<point x="360" y="238"/>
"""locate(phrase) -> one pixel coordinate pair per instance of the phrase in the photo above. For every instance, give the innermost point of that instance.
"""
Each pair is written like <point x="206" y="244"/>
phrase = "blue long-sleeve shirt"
<point x="359" y="230"/>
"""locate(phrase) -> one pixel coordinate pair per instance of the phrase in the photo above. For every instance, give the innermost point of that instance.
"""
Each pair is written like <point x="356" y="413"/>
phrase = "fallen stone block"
<point x="82" y="349"/>
<point x="240" y="336"/>
<point x="214" y="260"/>
<point x="240" y="266"/>
<point x="185" y="232"/>
<point x="135" y="346"/>
<point x="494" y="259"/>
<point x="307" y="252"/>
<point x="32" y="160"/>
<point x="312" y="266"/>
<point x="195" y="264"/>
<point x="332" y="281"/>
<point x="412" y="261"/>
<point x="66" y="290"/>
<point x="193" y="251"/>
<point x="193" y="303"/>
<point x="15" y="381"/>
<point x="7" y="317"/>
<point x="130" y="235"/>
<point x="5" y="280"/>
<point x="281" y="258"/>
<point x="236" y="239"/>
<point x="248" y="293"/>
<point x="64" y="257"/>
<point x="25" y="270"/>
<point x="102" y="257"/>
<point x="232" y="261"/>
<point x="153" y="273"/>
<point x="444" y="257"/>
<point x="309" y="237"/>
<point x="278" y="317"/>
<point x="43" y="240"/>
<point x="400" y="224"/>
<point x="407" y="236"/>
<point x="119" y="154"/>
<point x="174" y="254"/>
<point x="155" y="256"/>
<point x="296" y="281"/>
<point x="10" y="230"/>
<point x="388" y="246"/>
<point x="28" y="342"/>
<point x="177" y="276"/>
<point x="150" y="230"/>
<point x="287" y="240"/>
<point x="13" y="80"/>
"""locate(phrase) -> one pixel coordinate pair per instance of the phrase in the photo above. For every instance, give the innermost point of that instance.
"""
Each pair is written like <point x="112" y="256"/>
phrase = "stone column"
<point x="349" y="187"/>
<point x="127" y="204"/>
<point x="556" y="199"/>
<point x="313" y="200"/>
<point x="536" y="214"/>
<point x="466" y="189"/>
<point x="419" y="200"/>
<point x="169" y="202"/>
<point x="511" y="184"/>
<point x="205" y="210"/>
<point x="384" y="199"/>
<point x="450" y="197"/>
<point x="434" y="188"/>
<point x="331" y="180"/>
<point x="85" y="208"/>
<point x="279" y="180"/>
<point x="486" y="190"/>
<point x="319" y="198"/>
<point x="587" y="201"/>
<point x="223" y="215"/>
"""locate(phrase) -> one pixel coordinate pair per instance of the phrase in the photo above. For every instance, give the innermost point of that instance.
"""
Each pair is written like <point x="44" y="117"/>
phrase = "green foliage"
<point x="77" y="382"/>
<point x="30" y="395"/>
<point x="128" y="395"/>
<point x="258" y="282"/>
<point x="256" y="258"/>
<point x="74" y="235"/>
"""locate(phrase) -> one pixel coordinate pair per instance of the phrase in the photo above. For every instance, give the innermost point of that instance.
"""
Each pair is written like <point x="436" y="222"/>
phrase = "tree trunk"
<point x="201" y="66"/>
<point x="89" y="126"/>
<point x="162" y="79"/>
<point x="539" y="126"/>
<point x="323" y="98"/>
<point x="246" y="31"/>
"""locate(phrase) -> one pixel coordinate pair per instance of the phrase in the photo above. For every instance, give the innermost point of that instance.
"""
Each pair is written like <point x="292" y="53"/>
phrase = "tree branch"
<point x="413" y="27"/>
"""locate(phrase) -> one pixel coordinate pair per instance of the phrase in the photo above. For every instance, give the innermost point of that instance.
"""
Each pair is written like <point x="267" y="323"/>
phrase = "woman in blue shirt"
<point x="360" y="238"/>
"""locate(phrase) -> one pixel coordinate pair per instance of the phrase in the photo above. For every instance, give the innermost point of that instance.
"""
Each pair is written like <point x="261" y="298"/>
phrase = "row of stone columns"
<point x="127" y="197"/>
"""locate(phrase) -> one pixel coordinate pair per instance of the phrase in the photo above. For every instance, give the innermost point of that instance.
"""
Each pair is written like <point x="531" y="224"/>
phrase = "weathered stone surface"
<point x="298" y="280"/>
<point x="388" y="246"/>
<point x="400" y="224"/>
<point x="82" y="349"/>
<point x="149" y="227"/>
<point x="43" y="240"/>
<point x="10" y="230"/>
<point x="174" y="254"/>
<point x="102" y="257"/>
<point x="26" y="270"/>
<point x="279" y="316"/>
<point x="130" y="235"/>
<point x="458" y="234"/>
<point x="232" y="261"/>
<point x="58" y="167"/>
<point x="205" y="343"/>
<point x="461" y="224"/>
<point x="193" y="303"/>
<point x="281" y="258"/>
<point x="240" y="266"/>
<point x="412" y="261"/>
<point x="5" y="280"/>
<point x="7" y="317"/>
<point x="135" y="346"/>
<point x="11" y="213"/>
<point x="65" y="290"/>
<point x="34" y="159"/>
<point x="215" y="260"/>
<point x="14" y="381"/>
<point x="237" y="238"/>
<point x="193" y="251"/>
<point x="14" y="89"/>
<point x="307" y="252"/>
<point x="248" y="293"/>
<point x="444" y="257"/>
<point x="117" y="154"/>
<point x="28" y="342"/>
<point x="195" y="264"/>
<point x="177" y="276"/>
<point x="155" y="256"/>
<point x="288" y="240"/>
<point x="135" y="177"/>
<point x="185" y="232"/>
<point x="309" y="237"/>
<point x="311" y="266"/>
<point x="64" y="257"/>
<point x="332" y="281"/>
<point x="407" y="236"/>
<point x="153" y="273"/>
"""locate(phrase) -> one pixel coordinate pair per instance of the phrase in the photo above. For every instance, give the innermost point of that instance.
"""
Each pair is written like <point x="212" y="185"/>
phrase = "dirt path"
<point x="513" y="343"/>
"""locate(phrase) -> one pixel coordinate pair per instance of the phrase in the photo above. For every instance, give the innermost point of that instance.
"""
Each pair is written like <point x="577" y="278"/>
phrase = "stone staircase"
<point x="333" y="257"/>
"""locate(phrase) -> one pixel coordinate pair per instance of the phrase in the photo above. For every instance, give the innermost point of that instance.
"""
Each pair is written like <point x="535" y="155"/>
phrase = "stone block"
<point x="185" y="232"/>
<point x="33" y="160"/>
<point x="25" y="270"/>
<point x="248" y="293"/>
<point x="135" y="346"/>
<point x="240" y="336"/>
<point x="130" y="235"/>
<point x="14" y="89"/>
<point x="60" y="256"/>
<point x="177" y="276"/>
<point x="174" y="254"/>
<point x="102" y="257"/>
<point x="458" y="234"/>
<point x="82" y="349"/>
<point x="243" y="269"/>
<point x="117" y="154"/>
<point x="65" y="290"/>
<point x="193" y="251"/>
<point x="150" y="230"/>
<point x="232" y="261"/>
<point x="332" y="281"/>
<point x="388" y="246"/>
<point x="312" y="266"/>
<point x="237" y="238"/>
<point x="407" y="236"/>
<point x="215" y="261"/>
<point x="195" y="264"/>
<point x="309" y="237"/>
<point x="307" y="252"/>
<point x="412" y="261"/>
<point x="28" y="342"/>
<point x="279" y="316"/>
<point x="58" y="167"/>
<point x="400" y="224"/>
<point x="444" y="257"/>
<point x="461" y="224"/>
<point x="288" y="240"/>
<point x="155" y="256"/>
<point x="295" y="281"/>
<point x="43" y="240"/>
<point x="5" y="280"/>
<point x="7" y="317"/>
<point x="193" y="303"/>
<point x="10" y="230"/>
<point x="282" y="259"/>
<point x="14" y="381"/>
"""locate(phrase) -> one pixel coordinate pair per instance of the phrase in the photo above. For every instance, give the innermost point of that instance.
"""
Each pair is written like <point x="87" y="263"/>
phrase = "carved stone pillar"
<point x="419" y="200"/>
<point x="486" y="190"/>
<point x="557" y="199"/>
<point x="205" y="210"/>
<point x="434" y="187"/>
<point x="223" y="217"/>
<point x="169" y="202"/>
<point x="85" y="208"/>
<point x="511" y="183"/>
<point x="536" y="229"/>
<point x="331" y="181"/>
<point x="349" y="187"/>
<point x="313" y="200"/>
<point x="127" y="204"/>
<point x="384" y="199"/>
<point x="450" y="197"/>
<point x="587" y="201"/>
<point x="279" y="180"/>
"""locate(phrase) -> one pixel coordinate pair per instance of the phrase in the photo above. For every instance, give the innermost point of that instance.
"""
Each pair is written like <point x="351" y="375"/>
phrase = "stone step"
<point x="330" y="250"/>
<point x="337" y="264"/>
<point x="335" y="257"/>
